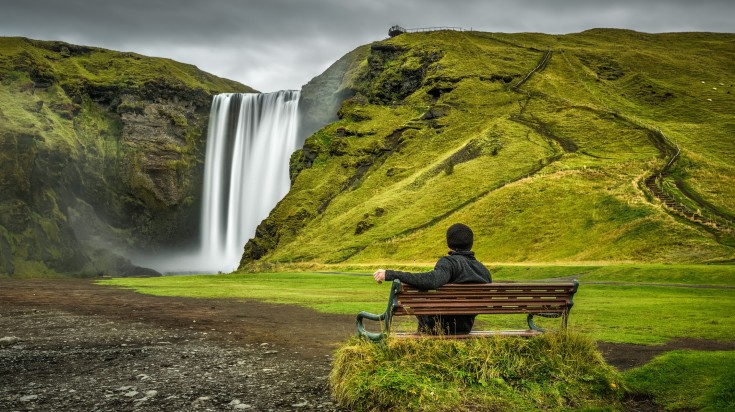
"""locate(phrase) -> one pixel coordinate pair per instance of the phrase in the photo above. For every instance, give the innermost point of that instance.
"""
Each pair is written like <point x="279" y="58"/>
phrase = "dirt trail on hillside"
<point x="73" y="345"/>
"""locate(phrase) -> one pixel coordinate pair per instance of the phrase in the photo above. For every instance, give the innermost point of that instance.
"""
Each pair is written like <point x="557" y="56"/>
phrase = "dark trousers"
<point x="445" y="324"/>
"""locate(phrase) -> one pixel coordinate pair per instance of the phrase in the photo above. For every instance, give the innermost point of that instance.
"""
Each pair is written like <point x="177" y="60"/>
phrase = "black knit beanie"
<point x="459" y="237"/>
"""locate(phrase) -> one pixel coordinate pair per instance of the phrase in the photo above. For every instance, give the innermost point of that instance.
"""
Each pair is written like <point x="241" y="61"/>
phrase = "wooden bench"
<point x="553" y="300"/>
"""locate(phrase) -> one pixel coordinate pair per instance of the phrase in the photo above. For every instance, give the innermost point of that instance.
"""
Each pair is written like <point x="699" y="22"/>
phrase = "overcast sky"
<point x="281" y="44"/>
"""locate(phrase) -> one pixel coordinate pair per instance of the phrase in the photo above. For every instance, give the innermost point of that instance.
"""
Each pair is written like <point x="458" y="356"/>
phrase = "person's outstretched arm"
<point x="422" y="280"/>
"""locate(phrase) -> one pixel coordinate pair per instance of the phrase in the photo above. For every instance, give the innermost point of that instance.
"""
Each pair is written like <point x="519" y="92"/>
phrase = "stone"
<point x="28" y="398"/>
<point x="9" y="340"/>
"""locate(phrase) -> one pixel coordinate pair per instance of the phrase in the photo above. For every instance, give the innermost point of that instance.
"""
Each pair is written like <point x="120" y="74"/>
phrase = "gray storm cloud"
<point x="281" y="44"/>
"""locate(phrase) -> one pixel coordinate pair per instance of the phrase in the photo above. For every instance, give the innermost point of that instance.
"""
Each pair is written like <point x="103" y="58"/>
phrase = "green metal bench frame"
<point x="551" y="300"/>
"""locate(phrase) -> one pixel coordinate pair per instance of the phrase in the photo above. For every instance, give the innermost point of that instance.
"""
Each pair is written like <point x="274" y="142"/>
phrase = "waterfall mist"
<point x="250" y="140"/>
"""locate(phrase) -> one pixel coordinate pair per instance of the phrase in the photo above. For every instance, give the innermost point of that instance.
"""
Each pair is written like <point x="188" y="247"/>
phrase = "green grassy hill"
<point x="99" y="152"/>
<point x="620" y="146"/>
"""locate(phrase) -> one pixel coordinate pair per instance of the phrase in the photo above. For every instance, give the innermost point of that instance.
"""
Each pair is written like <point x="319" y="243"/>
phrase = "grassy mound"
<point x="687" y="380"/>
<point x="552" y="371"/>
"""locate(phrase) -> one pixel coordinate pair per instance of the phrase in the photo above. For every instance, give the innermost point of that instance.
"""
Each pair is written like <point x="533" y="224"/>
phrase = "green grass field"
<point x="632" y="303"/>
<point x="647" y="304"/>
<point x="688" y="380"/>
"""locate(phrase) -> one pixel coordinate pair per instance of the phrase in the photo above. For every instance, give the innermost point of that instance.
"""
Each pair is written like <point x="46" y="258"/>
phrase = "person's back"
<point x="460" y="266"/>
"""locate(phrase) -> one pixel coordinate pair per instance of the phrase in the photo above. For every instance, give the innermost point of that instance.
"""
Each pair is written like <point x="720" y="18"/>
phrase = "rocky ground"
<point x="69" y="345"/>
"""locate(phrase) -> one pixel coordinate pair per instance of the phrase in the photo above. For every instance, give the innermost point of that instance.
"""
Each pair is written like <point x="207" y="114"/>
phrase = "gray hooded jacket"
<point x="458" y="267"/>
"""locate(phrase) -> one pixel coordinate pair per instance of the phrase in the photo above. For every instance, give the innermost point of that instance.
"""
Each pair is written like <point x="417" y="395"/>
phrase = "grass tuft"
<point x="687" y="380"/>
<point x="552" y="371"/>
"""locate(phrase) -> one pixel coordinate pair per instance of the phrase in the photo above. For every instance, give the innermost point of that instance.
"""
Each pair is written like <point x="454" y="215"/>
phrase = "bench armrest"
<point x="385" y="317"/>
<point x="374" y="336"/>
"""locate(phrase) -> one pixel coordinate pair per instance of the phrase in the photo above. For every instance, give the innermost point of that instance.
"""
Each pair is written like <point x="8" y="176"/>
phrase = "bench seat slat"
<point x="473" y="334"/>
<point x="471" y="305"/>
<point x="475" y="304"/>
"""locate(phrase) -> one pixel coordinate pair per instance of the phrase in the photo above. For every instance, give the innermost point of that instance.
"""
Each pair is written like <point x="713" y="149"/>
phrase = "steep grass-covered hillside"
<point x="99" y="154"/>
<point x="606" y="145"/>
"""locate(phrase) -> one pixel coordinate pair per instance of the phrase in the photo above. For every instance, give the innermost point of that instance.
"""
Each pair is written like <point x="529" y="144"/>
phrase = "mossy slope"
<point x="435" y="133"/>
<point x="99" y="151"/>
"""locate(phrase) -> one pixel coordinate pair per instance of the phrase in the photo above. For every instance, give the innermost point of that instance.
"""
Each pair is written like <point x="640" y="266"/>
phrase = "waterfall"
<point x="249" y="144"/>
<point x="250" y="140"/>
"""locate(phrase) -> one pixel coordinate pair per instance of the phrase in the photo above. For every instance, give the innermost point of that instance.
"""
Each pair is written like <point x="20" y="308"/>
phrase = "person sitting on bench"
<point x="460" y="266"/>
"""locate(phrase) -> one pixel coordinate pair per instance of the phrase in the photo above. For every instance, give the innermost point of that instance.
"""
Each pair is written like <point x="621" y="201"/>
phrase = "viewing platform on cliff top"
<point x="396" y="30"/>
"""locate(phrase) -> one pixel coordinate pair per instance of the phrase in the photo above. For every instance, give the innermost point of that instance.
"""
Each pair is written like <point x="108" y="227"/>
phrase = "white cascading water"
<point x="246" y="173"/>
<point x="250" y="140"/>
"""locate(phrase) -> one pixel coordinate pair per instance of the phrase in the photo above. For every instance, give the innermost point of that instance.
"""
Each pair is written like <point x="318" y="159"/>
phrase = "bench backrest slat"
<point x="479" y="311"/>
<point x="492" y="298"/>
<point x="473" y="303"/>
<point x="494" y="288"/>
<point x="483" y="302"/>
<point x="447" y="297"/>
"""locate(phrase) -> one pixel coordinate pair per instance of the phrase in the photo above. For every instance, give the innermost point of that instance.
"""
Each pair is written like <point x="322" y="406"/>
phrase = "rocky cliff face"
<point x="322" y="96"/>
<point x="100" y="155"/>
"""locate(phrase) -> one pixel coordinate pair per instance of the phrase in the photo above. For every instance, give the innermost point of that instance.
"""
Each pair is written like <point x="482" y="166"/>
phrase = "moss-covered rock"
<point x="98" y="150"/>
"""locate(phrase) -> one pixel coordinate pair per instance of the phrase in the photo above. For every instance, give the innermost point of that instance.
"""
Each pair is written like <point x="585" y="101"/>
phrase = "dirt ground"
<point x="70" y="345"/>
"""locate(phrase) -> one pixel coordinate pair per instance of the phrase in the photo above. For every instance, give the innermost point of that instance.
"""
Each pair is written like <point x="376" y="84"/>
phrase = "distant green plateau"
<point x="601" y="146"/>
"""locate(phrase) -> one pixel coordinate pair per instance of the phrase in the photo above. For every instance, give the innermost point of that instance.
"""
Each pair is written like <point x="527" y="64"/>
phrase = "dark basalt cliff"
<point x="100" y="155"/>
